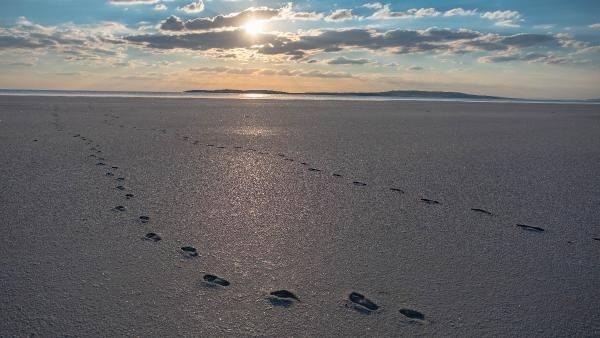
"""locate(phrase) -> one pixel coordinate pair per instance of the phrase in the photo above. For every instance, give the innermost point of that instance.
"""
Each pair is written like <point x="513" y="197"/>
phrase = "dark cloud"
<point x="301" y="45"/>
<point x="203" y="41"/>
<point x="346" y="61"/>
<point x="174" y="23"/>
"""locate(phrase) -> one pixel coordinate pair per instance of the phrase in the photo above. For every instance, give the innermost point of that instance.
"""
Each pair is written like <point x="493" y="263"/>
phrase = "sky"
<point x="528" y="49"/>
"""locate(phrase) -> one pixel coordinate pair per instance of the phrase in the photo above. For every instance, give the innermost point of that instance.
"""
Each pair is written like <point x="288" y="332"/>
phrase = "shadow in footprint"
<point x="482" y="211"/>
<point x="212" y="280"/>
<point x="359" y="184"/>
<point x="530" y="228"/>
<point x="361" y="303"/>
<point x="189" y="251"/>
<point x="428" y="201"/>
<point x="151" y="236"/>
<point x="282" y="298"/>
<point x="397" y="190"/>
<point x="144" y="219"/>
<point x="412" y="314"/>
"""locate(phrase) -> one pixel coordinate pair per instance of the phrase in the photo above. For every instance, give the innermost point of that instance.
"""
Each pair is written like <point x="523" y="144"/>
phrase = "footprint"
<point x="109" y="174"/>
<point x="397" y="190"/>
<point x="128" y="196"/>
<point x="210" y="145"/>
<point x="289" y="159"/>
<point x="76" y="135"/>
<point x="281" y="155"/>
<point x="337" y="175"/>
<point x="530" y="228"/>
<point x="120" y="178"/>
<point x="221" y="147"/>
<point x="120" y="208"/>
<point x="236" y="147"/>
<point x="189" y="251"/>
<point x="100" y="163"/>
<point x="120" y="187"/>
<point x="152" y="237"/>
<point x="144" y="219"/>
<point x="303" y="163"/>
<point x="115" y="167"/>
<point x="282" y="298"/>
<point x="596" y="238"/>
<point x="196" y="142"/>
<point x="412" y="314"/>
<point x="313" y="169"/>
<point x="482" y="211"/>
<point x="92" y="155"/>
<point x="362" y="301"/>
<point x="360" y="184"/>
<point x="215" y="280"/>
<point x="428" y="201"/>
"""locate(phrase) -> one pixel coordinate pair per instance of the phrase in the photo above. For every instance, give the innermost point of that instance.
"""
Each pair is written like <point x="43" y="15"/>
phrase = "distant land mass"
<point x="392" y="93"/>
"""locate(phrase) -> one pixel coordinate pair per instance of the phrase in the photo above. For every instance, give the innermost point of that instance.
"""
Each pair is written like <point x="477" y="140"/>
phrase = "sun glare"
<point x="254" y="27"/>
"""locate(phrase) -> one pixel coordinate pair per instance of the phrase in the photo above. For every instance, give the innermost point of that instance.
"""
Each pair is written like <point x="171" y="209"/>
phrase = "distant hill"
<point x="392" y="93"/>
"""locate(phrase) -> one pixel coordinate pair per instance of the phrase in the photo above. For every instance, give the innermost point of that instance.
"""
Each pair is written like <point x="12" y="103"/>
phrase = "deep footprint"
<point x="189" y="251"/>
<point x="128" y="196"/>
<point x="530" y="228"/>
<point x="482" y="211"/>
<point x="144" y="219"/>
<point x="362" y="301"/>
<point x="120" y="187"/>
<point x="120" y="208"/>
<point x="282" y="298"/>
<point x="215" y="280"/>
<point x="412" y="314"/>
<point x="359" y="184"/>
<point x="152" y="237"/>
<point x="313" y="169"/>
<point x="397" y="190"/>
<point x="428" y="201"/>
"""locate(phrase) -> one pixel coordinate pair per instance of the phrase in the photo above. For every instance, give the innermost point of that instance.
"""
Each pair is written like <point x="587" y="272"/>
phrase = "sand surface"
<point x="71" y="264"/>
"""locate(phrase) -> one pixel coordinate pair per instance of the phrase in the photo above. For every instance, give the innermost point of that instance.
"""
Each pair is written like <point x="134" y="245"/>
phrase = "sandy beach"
<point x="481" y="218"/>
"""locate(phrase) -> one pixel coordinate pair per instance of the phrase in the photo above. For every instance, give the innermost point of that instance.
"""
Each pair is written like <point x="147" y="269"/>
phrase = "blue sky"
<point x="537" y="49"/>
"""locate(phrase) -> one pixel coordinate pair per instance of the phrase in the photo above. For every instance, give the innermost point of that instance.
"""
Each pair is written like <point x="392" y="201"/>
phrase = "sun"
<point x="254" y="27"/>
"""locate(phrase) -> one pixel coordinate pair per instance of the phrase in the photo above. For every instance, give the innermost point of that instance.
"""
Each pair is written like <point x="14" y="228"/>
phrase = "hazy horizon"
<point x="506" y="48"/>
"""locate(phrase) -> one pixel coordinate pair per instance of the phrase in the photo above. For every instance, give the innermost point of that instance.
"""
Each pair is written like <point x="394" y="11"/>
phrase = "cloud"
<point x="90" y="43"/>
<point x="504" y="18"/>
<point x="532" y="57"/>
<point x="230" y="39"/>
<point x="160" y="7"/>
<point x="373" y="5"/>
<point x="460" y="12"/>
<point x="174" y="23"/>
<point x="301" y="45"/>
<point x="132" y="2"/>
<point x="194" y="7"/>
<point x="272" y="72"/>
<point x="235" y="20"/>
<point x="345" y="61"/>
<point x="386" y="13"/>
<point x="340" y="15"/>
<point x="594" y="26"/>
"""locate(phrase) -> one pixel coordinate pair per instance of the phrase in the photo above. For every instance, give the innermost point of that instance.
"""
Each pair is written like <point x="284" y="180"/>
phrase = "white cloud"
<point x="160" y="7"/>
<point x="194" y="7"/>
<point x="504" y="18"/>
<point x="386" y="13"/>
<point x="460" y="12"/>
<point x="132" y="2"/>
<point x="595" y="26"/>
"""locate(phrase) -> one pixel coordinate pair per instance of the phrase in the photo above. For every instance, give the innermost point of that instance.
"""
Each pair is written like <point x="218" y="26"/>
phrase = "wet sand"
<point x="150" y="217"/>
